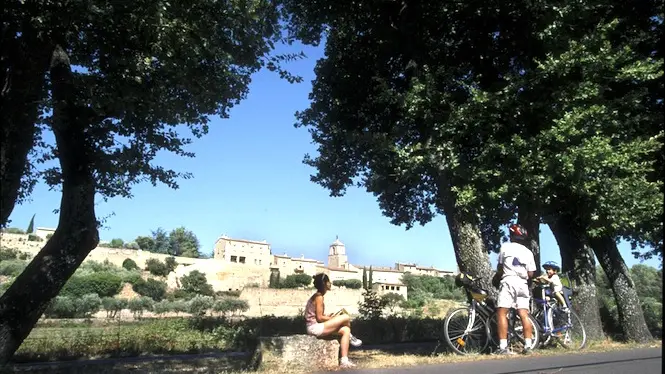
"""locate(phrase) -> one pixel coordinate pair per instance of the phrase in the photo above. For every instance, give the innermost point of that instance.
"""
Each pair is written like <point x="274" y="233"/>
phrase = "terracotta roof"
<point x="380" y="268"/>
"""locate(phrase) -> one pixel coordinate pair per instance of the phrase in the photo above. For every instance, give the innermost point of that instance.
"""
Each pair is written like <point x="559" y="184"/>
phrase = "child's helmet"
<point x="551" y="265"/>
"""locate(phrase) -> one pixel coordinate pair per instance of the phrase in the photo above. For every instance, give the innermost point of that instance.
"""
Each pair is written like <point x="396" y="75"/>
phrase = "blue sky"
<point x="249" y="182"/>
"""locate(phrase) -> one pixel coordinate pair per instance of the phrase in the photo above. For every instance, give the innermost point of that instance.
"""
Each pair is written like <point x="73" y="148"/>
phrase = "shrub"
<point x="98" y="267"/>
<point x="196" y="283"/>
<point x="132" y="245"/>
<point x="12" y="268"/>
<point x="296" y="280"/>
<point x="179" y="294"/>
<point x="139" y="305"/>
<point x="372" y="305"/>
<point x="13" y="230"/>
<point x="233" y="293"/>
<point x="73" y="307"/>
<point x="354" y="284"/>
<point x="34" y="238"/>
<point x="49" y="236"/>
<point x="12" y="254"/>
<point x="151" y="288"/>
<point x="113" y="306"/>
<point x="156" y="267"/>
<point x="162" y="307"/>
<point x="230" y="305"/>
<point x="103" y="284"/>
<point x="199" y="305"/>
<point x="179" y="306"/>
<point x="130" y="264"/>
<point x="4" y="286"/>
<point x="88" y="305"/>
<point x="116" y="243"/>
<point x="170" y="263"/>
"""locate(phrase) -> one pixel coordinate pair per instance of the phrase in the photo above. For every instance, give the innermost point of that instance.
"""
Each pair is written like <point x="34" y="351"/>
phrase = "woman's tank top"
<point x="310" y="311"/>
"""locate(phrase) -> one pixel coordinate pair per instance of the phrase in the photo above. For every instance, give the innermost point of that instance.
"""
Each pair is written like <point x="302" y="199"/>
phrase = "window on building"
<point x="397" y="288"/>
<point x="234" y="258"/>
<point x="392" y="288"/>
<point x="242" y="260"/>
<point x="259" y="262"/>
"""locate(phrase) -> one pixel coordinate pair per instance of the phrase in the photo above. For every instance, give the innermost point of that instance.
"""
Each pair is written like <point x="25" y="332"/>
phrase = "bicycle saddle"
<point x="478" y="293"/>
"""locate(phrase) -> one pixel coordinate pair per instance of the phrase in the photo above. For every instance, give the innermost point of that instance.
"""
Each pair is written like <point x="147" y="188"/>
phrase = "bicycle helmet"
<point x="517" y="232"/>
<point x="553" y="265"/>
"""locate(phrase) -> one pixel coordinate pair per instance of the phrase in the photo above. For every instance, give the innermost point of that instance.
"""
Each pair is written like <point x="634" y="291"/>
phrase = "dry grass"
<point x="364" y="359"/>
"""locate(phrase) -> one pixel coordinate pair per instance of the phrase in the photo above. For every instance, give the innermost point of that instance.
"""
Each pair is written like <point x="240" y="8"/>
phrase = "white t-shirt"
<point x="517" y="260"/>
<point x="555" y="283"/>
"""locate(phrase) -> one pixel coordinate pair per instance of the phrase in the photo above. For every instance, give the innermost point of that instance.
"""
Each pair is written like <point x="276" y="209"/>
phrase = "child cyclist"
<point x="321" y="325"/>
<point x="556" y="287"/>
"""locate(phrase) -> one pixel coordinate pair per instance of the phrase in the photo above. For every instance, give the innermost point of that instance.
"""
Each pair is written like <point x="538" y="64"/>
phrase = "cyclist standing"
<point x="515" y="266"/>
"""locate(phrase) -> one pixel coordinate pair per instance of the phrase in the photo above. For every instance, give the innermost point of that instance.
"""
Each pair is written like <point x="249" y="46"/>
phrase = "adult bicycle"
<point x="470" y="329"/>
<point x="555" y="325"/>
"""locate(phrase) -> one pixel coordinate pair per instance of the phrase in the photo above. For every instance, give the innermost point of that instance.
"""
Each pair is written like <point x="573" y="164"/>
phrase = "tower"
<point x="337" y="255"/>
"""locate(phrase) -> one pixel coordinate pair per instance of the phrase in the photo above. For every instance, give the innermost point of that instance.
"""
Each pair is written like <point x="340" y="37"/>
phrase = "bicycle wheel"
<point x="462" y="336"/>
<point x="574" y="337"/>
<point x="517" y="333"/>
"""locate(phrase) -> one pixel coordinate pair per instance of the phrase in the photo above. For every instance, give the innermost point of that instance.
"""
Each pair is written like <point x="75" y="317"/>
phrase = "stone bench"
<point x="296" y="352"/>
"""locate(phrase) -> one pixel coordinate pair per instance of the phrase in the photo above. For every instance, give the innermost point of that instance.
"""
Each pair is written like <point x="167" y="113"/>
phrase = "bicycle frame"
<point x="548" y="322"/>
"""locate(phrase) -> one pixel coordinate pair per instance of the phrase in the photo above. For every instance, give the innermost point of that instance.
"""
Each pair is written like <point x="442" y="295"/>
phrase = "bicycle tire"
<point x="514" y="334"/>
<point x="453" y="340"/>
<point x="576" y="321"/>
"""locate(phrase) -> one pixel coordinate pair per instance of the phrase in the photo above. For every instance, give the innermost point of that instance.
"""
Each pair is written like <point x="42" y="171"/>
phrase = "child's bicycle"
<point x="470" y="329"/>
<point x="555" y="325"/>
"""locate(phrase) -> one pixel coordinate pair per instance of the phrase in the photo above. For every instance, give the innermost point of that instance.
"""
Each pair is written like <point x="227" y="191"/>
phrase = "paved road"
<point x="637" y="361"/>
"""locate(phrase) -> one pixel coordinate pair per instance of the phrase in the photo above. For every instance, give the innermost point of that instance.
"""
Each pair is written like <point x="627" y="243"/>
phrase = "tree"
<point x="31" y="225"/>
<point x="364" y="278"/>
<point x="196" y="283"/>
<point x="145" y="243"/>
<point x="117" y="243"/>
<point x="392" y="300"/>
<point x="161" y="241"/>
<point x="370" y="280"/>
<point x="156" y="267"/>
<point x="183" y="242"/>
<point x="170" y="263"/>
<point x="114" y="114"/>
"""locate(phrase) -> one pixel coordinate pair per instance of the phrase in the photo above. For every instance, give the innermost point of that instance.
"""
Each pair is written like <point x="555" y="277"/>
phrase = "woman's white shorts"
<point x="315" y="329"/>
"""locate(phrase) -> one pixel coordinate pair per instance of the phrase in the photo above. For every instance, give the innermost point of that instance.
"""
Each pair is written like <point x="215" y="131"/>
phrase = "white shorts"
<point x="315" y="329"/>
<point x="513" y="293"/>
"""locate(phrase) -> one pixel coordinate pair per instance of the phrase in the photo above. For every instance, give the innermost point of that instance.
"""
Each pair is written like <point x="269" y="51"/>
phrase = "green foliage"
<point x="199" y="305"/>
<point x="96" y="267"/>
<point x="140" y="304"/>
<point x="12" y="254"/>
<point x="12" y="268"/>
<point x="296" y="281"/>
<point x="230" y="305"/>
<point x="156" y="267"/>
<point x="160" y="241"/>
<point x="129" y="264"/>
<point x="364" y="278"/>
<point x="353" y="284"/>
<point x="422" y="289"/>
<point x="13" y="230"/>
<point x="196" y="283"/>
<point x="104" y="284"/>
<point x="116" y="243"/>
<point x="370" y="279"/>
<point x="372" y="305"/>
<point x="74" y="307"/>
<point x="152" y="288"/>
<point x="113" y="306"/>
<point x="31" y="225"/>
<point x="391" y="301"/>
<point x="146" y="243"/>
<point x="34" y="238"/>
<point x="170" y="263"/>
<point x="273" y="282"/>
<point x="183" y="242"/>
<point x="49" y="236"/>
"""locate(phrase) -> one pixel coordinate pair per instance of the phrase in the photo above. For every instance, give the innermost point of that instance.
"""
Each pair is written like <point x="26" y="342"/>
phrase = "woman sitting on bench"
<point x="321" y="325"/>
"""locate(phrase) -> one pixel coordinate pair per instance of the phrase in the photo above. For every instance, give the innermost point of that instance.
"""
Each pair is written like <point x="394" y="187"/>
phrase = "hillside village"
<point x="238" y="264"/>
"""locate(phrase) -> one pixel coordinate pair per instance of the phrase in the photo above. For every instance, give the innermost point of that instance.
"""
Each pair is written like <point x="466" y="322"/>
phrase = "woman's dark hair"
<point x="320" y="281"/>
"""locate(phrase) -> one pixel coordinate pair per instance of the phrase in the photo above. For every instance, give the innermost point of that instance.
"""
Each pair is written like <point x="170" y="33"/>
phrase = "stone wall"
<point x="281" y="302"/>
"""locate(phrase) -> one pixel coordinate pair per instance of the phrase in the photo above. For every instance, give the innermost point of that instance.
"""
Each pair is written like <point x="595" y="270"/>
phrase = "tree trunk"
<point x="24" y="302"/>
<point x="23" y="76"/>
<point x="531" y="222"/>
<point x="631" y="316"/>
<point x="577" y="260"/>
<point x="470" y="251"/>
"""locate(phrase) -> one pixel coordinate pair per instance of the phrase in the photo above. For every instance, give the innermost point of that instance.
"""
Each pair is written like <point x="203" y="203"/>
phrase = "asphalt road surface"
<point x="637" y="361"/>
